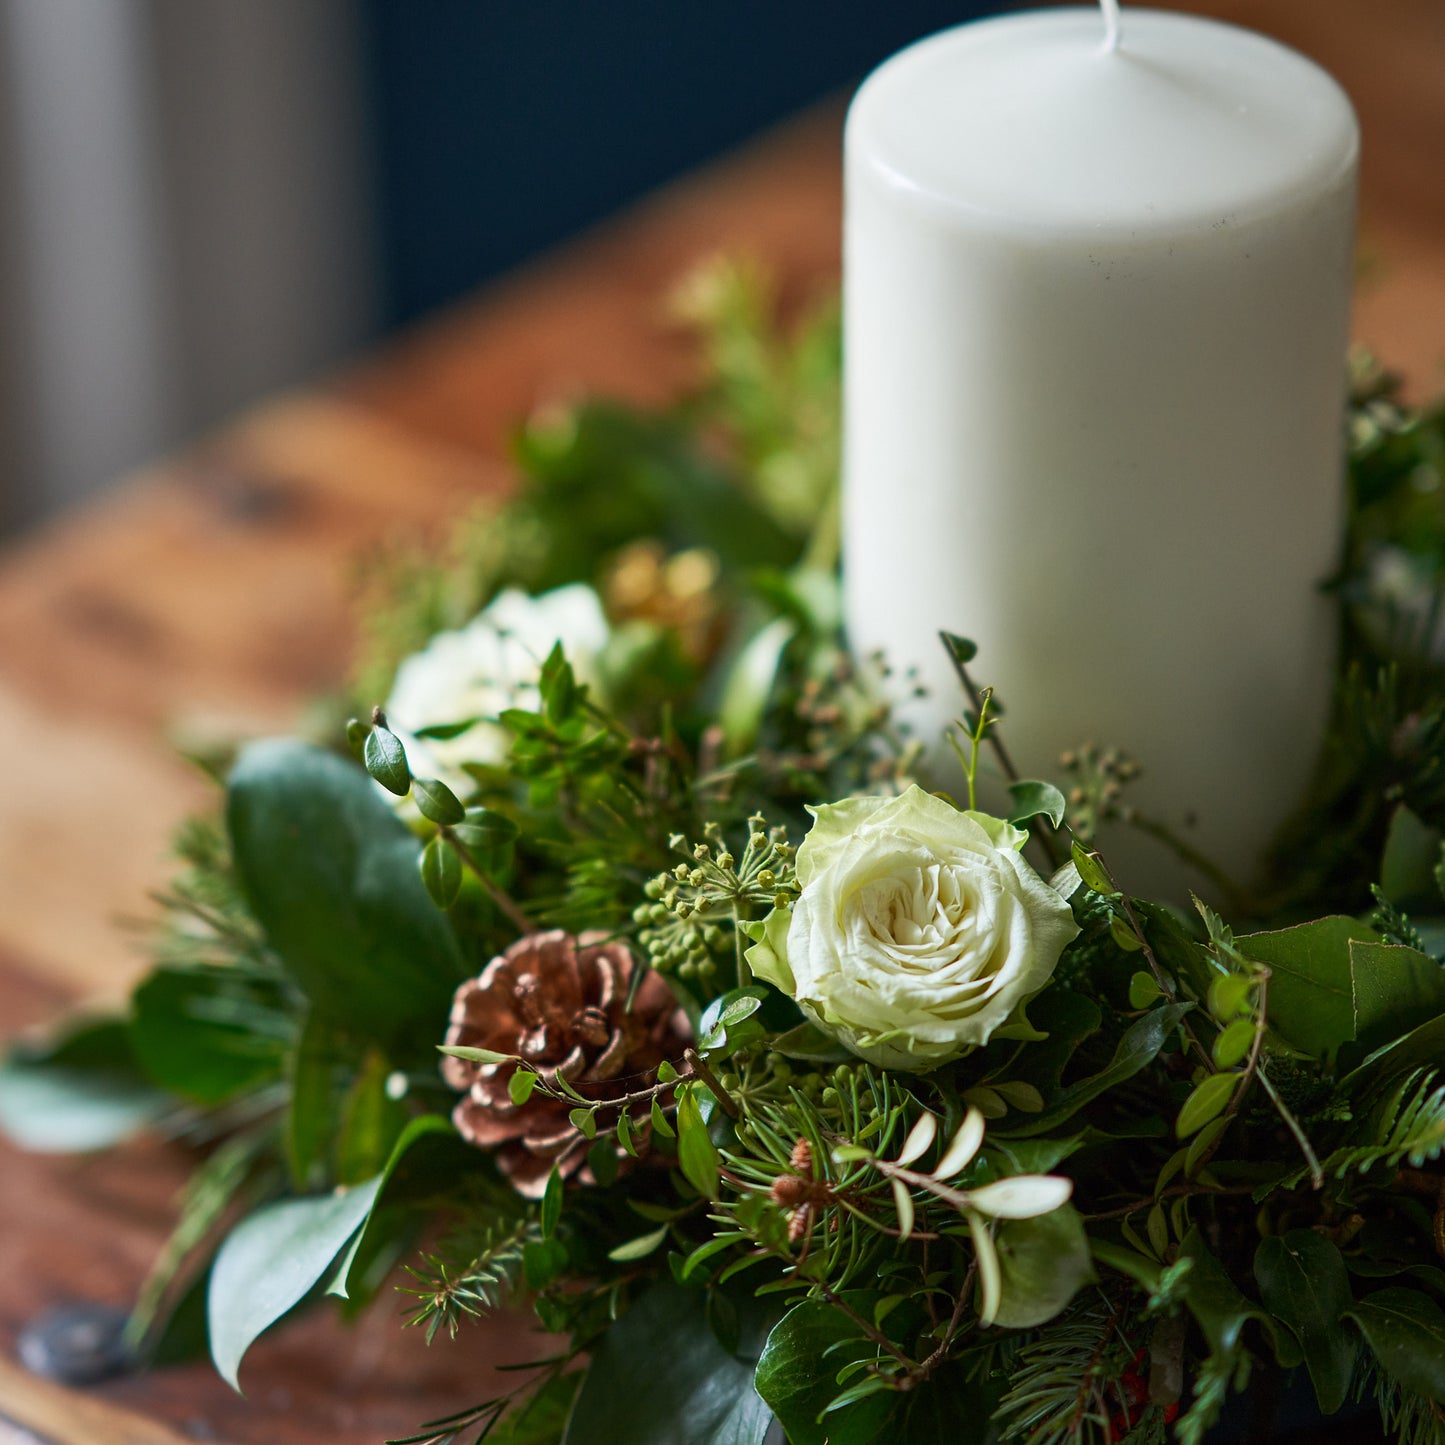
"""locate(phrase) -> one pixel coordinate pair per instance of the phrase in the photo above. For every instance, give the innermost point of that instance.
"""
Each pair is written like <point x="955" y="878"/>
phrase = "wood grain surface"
<point x="214" y="593"/>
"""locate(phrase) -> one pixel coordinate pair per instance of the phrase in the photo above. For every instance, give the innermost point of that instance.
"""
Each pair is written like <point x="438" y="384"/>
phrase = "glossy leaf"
<point x="696" y="1155"/>
<point x="1035" y="800"/>
<point x="659" y="1377"/>
<point x="436" y="802"/>
<point x="385" y="760"/>
<point x="1208" y="1101"/>
<point x="790" y="1380"/>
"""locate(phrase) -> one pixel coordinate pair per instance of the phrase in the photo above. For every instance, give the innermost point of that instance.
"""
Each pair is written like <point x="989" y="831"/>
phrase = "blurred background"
<point x="202" y="201"/>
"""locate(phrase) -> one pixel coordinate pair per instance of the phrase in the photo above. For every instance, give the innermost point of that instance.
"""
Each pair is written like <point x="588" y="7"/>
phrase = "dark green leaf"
<point x="790" y="1379"/>
<point x="312" y="1105"/>
<point x="436" y="801"/>
<point x="960" y="650"/>
<point x="660" y="1377"/>
<point x="1303" y="1282"/>
<point x="1406" y="1332"/>
<point x="551" y="1204"/>
<point x="441" y="871"/>
<point x="1219" y="1308"/>
<point x="1412" y="853"/>
<point x="189" y="1029"/>
<point x="1136" y="1050"/>
<point x="385" y="760"/>
<point x="445" y="732"/>
<point x="1311" y="991"/>
<point x="371" y="1122"/>
<point x="428" y="1160"/>
<point x="332" y="876"/>
<point x="270" y="1262"/>
<point x="809" y="1044"/>
<point x="1395" y="989"/>
<point x="1036" y="800"/>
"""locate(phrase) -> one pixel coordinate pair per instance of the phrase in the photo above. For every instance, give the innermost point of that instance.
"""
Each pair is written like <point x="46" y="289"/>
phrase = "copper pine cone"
<point x="558" y="1002"/>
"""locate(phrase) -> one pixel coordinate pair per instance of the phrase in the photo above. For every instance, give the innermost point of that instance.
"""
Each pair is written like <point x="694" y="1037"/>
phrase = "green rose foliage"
<point x="920" y="932"/>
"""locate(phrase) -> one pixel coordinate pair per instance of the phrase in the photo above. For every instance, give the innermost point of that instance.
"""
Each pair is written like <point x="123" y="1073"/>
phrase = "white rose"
<point x="920" y="931"/>
<point x="483" y="669"/>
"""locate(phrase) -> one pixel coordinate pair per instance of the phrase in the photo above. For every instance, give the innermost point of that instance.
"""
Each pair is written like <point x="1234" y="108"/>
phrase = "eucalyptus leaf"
<point x="84" y="1092"/>
<point x="659" y="1377"/>
<point x="331" y="875"/>
<point x="271" y="1261"/>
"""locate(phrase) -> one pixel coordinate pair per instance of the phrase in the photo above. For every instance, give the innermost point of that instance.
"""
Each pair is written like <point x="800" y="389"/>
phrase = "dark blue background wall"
<point x="503" y="125"/>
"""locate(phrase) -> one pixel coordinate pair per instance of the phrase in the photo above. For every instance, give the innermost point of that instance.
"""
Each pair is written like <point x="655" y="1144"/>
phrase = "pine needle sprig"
<point x="470" y="1275"/>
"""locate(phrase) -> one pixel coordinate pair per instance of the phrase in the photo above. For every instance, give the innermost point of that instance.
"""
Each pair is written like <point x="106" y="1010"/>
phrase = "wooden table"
<point x="215" y="591"/>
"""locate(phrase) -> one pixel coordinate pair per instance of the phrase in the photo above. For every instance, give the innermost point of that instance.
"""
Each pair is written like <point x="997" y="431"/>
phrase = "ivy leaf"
<point x="331" y="875"/>
<point x="659" y="1376"/>
<point x="789" y="1377"/>
<point x="1045" y="1261"/>
<point x="1303" y="1282"/>
<point x="1406" y="1332"/>
<point x="271" y="1261"/>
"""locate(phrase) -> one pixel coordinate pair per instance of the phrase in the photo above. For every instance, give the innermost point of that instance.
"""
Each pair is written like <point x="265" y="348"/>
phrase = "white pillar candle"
<point x="1096" y="304"/>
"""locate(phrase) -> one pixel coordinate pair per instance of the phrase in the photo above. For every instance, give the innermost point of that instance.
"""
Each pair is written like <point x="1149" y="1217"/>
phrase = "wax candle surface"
<point x="1096" y="310"/>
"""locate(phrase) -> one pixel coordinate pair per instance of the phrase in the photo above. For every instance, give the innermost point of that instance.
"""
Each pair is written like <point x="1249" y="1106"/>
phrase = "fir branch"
<point x="470" y="1274"/>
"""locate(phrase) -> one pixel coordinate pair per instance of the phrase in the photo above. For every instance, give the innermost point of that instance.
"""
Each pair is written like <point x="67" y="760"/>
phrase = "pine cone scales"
<point x="560" y="1003"/>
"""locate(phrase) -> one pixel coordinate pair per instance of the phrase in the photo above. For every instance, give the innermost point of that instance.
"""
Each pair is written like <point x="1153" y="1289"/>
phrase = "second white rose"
<point x="920" y="932"/>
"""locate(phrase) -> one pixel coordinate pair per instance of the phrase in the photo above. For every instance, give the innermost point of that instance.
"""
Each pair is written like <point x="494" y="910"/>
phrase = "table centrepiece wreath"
<point x="787" y="1093"/>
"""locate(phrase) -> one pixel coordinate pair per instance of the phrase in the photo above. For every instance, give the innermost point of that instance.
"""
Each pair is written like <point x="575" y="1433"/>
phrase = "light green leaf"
<point x="1035" y="800"/>
<point x="1044" y="1262"/>
<point x="332" y="876"/>
<point x="1205" y="1103"/>
<point x="271" y="1261"/>
<point x="84" y="1093"/>
<point x="750" y="684"/>
<point x="1302" y="1280"/>
<point x="696" y="1155"/>
<point x="638" y="1248"/>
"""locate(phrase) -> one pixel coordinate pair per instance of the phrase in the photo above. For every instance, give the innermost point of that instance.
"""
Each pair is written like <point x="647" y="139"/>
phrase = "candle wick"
<point x="1112" y="29"/>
